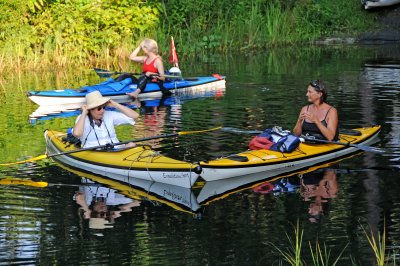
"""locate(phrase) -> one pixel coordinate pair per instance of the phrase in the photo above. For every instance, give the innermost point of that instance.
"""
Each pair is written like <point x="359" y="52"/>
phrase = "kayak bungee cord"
<point x="147" y="166"/>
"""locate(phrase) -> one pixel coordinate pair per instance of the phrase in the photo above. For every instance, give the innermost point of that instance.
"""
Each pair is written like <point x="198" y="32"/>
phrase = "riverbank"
<point x="219" y="28"/>
<point x="388" y="25"/>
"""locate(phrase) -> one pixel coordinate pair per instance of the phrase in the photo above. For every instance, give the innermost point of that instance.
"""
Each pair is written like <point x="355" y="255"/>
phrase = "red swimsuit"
<point x="150" y="67"/>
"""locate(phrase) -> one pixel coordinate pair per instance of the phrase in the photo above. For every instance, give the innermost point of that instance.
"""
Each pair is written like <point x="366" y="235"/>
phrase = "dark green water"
<point x="45" y="226"/>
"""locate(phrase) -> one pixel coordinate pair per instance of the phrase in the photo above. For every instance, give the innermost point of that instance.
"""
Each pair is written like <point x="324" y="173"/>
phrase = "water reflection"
<point x="42" y="225"/>
<point x="68" y="110"/>
<point x="111" y="194"/>
<point x="101" y="205"/>
<point x="122" y="189"/>
<point x="382" y="73"/>
<point x="99" y="200"/>
<point x="318" y="187"/>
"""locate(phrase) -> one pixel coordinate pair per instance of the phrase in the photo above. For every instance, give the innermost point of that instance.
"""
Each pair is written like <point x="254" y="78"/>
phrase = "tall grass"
<point x="321" y="255"/>
<point x="199" y="27"/>
<point x="292" y="255"/>
<point x="378" y="245"/>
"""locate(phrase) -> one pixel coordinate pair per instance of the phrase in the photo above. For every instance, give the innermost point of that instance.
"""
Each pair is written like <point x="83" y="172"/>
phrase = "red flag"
<point x="173" y="57"/>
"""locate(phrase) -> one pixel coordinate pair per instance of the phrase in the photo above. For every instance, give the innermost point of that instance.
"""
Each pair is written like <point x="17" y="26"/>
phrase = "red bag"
<point x="260" y="143"/>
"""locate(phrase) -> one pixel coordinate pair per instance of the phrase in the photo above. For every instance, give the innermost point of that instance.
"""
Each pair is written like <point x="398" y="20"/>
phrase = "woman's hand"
<point x="85" y="111"/>
<point x="111" y="103"/>
<point x="309" y="117"/>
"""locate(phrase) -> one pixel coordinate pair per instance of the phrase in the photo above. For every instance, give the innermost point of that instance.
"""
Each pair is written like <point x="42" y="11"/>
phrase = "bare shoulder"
<point x="159" y="60"/>
<point x="332" y="109"/>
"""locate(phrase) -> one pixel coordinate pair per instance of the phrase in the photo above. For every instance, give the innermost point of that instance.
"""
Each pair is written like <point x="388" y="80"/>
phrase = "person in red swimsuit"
<point x="153" y="66"/>
<point x="318" y="119"/>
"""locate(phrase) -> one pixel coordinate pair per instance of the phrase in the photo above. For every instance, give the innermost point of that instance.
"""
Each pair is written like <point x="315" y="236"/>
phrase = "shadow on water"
<point x="152" y="224"/>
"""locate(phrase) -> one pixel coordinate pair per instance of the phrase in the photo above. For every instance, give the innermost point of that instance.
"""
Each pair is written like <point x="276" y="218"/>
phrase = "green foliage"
<point x="316" y="19"/>
<point x="37" y="5"/>
<point x="13" y="16"/>
<point x="80" y="25"/>
<point x="68" y="31"/>
<point x="41" y="32"/>
<point x="240" y="24"/>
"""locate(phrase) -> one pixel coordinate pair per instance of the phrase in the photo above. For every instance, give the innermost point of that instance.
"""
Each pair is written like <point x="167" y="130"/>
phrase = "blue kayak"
<point x="117" y="90"/>
<point x="50" y="112"/>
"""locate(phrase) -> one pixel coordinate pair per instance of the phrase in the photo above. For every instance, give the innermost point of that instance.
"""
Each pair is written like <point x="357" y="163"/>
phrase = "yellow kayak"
<point x="277" y="163"/>
<point x="139" y="162"/>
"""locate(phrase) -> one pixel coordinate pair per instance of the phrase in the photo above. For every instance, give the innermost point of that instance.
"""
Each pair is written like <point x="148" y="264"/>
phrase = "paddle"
<point x="104" y="73"/>
<point x="109" y="146"/>
<point x="310" y="140"/>
<point x="26" y="182"/>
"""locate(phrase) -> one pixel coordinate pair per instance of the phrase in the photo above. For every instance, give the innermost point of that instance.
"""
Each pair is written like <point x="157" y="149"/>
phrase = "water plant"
<point x="377" y="241"/>
<point x="321" y="255"/>
<point x="292" y="254"/>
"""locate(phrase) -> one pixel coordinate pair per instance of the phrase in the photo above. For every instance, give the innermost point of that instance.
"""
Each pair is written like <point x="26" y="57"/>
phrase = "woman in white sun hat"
<point x="95" y="125"/>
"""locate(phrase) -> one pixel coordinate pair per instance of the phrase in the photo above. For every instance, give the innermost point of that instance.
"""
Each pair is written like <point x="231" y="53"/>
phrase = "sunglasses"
<point x="100" y="107"/>
<point x="315" y="84"/>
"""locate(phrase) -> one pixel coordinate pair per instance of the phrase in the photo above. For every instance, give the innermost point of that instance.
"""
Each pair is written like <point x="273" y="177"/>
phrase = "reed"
<point x="292" y="255"/>
<point x="220" y="26"/>
<point x="278" y="25"/>
<point x="321" y="256"/>
<point x="378" y="245"/>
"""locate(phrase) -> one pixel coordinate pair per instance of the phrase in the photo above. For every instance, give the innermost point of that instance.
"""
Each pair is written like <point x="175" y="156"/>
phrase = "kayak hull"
<point x="118" y="94"/>
<point x="277" y="163"/>
<point x="177" y="197"/>
<point x="139" y="162"/>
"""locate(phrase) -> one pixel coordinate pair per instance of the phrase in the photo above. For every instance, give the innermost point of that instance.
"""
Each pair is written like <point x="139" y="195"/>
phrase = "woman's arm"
<point x="332" y="121"/>
<point x="123" y="109"/>
<point x="134" y="55"/>
<point x="160" y="67"/>
<point x="78" y="129"/>
<point x="297" y="128"/>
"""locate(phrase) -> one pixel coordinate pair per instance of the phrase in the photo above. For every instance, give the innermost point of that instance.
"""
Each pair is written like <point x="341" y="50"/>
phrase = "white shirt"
<point x="105" y="133"/>
<point x="110" y="196"/>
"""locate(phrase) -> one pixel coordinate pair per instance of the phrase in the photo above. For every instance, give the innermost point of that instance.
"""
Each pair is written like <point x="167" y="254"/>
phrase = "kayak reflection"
<point x="316" y="183"/>
<point x="69" y="110"/>
<point x="125" y="190"/>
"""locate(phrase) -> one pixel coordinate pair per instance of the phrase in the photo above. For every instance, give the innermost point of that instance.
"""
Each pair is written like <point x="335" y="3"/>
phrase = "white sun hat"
<point x="95" y="99"/>
<point x="99" y="223"/>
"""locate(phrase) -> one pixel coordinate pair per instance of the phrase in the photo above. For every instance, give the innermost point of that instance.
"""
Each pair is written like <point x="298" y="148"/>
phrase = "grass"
<point x="377" y="243"/>
<point x="257" y="25"/>
<point x="321" y="255"/>
<point x="292" y="255"/>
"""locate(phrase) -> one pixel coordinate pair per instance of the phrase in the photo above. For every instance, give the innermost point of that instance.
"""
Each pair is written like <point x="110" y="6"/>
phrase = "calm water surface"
<point x="238" y="223"/>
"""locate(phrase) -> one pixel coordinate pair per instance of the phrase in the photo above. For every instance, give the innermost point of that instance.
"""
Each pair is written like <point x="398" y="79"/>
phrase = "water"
<point x="162" y="225"/>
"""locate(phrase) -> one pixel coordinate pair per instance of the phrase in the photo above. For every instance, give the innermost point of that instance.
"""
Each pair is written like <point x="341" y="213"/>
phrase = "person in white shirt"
<point x="95" y="125"/>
